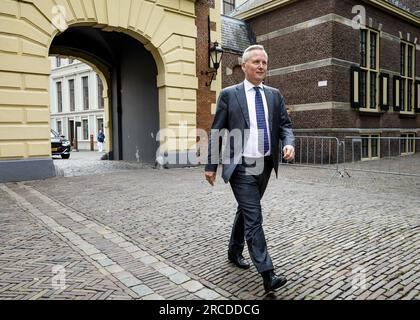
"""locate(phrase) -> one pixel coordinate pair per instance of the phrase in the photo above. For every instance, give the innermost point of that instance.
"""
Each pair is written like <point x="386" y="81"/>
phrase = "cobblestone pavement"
<point x="163" y="234"/>
<point x="83" y="163"/>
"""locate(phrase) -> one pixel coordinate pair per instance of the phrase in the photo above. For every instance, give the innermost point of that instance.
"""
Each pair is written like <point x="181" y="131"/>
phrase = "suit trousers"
<point x="248" y="183"/>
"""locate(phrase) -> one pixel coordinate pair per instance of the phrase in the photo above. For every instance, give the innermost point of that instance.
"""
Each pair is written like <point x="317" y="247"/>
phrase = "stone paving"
<point x="162" y="234"/>
<point x="83" y="163"/>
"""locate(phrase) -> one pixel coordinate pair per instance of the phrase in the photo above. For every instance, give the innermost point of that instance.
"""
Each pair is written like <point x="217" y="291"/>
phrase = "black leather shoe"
<point x="239" y="261"/>
<point x="272" y="281"/>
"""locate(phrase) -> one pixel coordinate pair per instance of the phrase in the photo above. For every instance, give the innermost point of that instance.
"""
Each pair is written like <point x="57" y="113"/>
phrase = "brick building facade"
<point x="339" y="78"/>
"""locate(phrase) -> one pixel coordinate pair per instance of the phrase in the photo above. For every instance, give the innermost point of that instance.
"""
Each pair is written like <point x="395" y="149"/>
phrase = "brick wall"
<point x="389" y="60"/>
<point x="205" y="97"/>
<point x="300" y="47"/>
<point x="236" y="75"/>
<point x="390" y="24"/>
<point x="302" y="87"/>
<point x="292" y="14"/>
<point x="329" y="40"/>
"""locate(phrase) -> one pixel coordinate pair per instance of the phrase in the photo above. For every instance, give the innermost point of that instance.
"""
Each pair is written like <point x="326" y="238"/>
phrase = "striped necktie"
<point x="262" y="126"/>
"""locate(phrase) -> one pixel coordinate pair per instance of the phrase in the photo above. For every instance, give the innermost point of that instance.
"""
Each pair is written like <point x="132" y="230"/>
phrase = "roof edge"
<point x="239" y="21"/>
<point x="262" y="8"/>
<point x="272" y="5"/>
<point x="404" y="14"/>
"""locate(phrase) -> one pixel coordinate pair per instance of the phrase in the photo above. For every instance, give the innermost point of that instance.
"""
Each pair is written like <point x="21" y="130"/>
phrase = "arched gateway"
<point x="146" y="50"/>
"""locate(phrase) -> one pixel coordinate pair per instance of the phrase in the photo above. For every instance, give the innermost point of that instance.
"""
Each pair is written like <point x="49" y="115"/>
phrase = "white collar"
<point x="248" y="85"/>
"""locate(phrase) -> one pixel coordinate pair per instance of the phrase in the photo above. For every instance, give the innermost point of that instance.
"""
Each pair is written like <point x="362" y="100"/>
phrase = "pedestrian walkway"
<point x="83" y="163"/>
<point x="108" y="251"/>
<point x="163" y="234"/>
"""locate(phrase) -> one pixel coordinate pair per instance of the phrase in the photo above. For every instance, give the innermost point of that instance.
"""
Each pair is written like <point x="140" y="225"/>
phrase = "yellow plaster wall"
<point x="166" y="28"/>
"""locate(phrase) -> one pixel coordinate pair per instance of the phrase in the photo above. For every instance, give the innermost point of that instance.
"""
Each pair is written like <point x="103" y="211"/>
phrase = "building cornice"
<point x="404" y="14"/>
<point x="262" y="8"/>
<point x="272" y="5"/>
<point x="331" y="17"/>
<point x="77" y="113"/>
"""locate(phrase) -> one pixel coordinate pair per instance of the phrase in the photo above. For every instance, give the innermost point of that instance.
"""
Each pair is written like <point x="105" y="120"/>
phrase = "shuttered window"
<point x="406" y="88"/>
<point x="384" y="91"/>
<point x="355" y="87"/>
<point x="397" y="91"/>
<point x="417" y="96"/>
<point x="369" y="84"/>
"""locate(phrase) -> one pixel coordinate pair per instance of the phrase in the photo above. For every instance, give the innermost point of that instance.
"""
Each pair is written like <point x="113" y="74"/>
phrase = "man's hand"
<point x="210" y="177"/>
<point x="288" y="152"/>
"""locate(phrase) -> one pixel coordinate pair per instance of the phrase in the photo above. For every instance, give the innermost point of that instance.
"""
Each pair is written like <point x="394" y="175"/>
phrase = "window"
<point x="85" y="128"/>
<point x="71" y="131"/>
<point x="370" y="146"/>
<point x="407" y="143"/>
<point x="59" y="128"/>
<point x="228" y="6"/>
<point x="405" y="91"/>
<point x="71" y="95"/>
<point x="59" y="97"/>
<point x="100" y="91"/>
<point x="57" y="62"/>
<point x="369" y="70"/>
<point x="85" y="91"/>
<point x="100" y="125"/>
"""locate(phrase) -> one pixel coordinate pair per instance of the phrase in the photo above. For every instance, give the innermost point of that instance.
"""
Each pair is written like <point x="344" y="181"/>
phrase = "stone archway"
<point x="131" y="74"/>
<point x="168" y="33"/>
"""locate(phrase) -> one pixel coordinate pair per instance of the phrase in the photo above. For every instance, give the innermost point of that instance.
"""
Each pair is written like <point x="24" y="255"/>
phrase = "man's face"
<point x="255" y="68"/>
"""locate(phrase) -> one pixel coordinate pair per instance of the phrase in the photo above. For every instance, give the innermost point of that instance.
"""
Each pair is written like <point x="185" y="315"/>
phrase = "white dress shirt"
<point x="251" y="146"/>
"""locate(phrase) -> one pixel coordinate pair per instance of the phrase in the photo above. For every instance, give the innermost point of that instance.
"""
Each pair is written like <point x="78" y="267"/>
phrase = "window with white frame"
<point x="72" y="95"/>
<point x="228" y="6"/>
<point x="404" y="90"/>
<point x="85" y="90"/>
<point x="100" y="91"/>
<point x="85" y="128"/>
<point x="100" y="124"/>
<point x="369" y="73"/>
<point x="407" y="143"/>
<point x="59" y="97"/>
<point x="59" y="127"/>
<point x="370" y="146"/>
<point x="366" y="81"/>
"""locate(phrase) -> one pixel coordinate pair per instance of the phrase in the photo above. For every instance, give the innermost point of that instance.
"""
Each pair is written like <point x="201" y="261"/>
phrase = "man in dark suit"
<point x="254" y="118"/>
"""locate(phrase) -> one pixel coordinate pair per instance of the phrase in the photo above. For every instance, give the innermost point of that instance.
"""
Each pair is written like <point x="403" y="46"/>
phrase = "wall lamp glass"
<point x="215" y="53"/>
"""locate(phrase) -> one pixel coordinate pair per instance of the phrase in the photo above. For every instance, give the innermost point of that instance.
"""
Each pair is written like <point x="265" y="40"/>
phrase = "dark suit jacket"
<point x="232" y="115"/>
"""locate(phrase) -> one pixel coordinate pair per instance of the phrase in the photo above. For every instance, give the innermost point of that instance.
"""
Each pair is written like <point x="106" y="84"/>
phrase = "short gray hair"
<point x="247" y="52"/>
